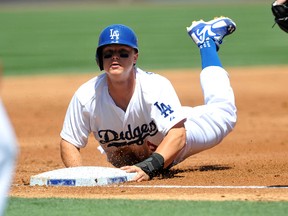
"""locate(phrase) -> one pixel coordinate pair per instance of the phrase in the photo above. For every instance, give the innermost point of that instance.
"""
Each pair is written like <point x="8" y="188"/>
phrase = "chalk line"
<point x="204" y="187"/>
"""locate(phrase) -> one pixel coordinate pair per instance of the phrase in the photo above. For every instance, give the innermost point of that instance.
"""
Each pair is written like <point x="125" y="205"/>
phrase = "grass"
<point x="49" y="206"/>
<point x="65" y="39"/>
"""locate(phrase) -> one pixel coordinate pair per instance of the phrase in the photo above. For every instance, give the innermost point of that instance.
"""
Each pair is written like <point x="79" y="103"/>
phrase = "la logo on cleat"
<point x="202" y="33"/>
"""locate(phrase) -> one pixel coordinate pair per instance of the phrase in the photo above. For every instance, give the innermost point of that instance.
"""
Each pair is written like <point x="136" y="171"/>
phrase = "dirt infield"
<point x="255" y="153"/>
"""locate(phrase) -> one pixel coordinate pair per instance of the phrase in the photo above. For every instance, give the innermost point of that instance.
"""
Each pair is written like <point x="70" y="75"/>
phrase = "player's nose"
<point x="115" y="56"/>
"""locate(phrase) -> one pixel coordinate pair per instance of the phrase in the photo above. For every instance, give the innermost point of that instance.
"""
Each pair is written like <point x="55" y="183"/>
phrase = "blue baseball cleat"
<point x="215" y="29"/>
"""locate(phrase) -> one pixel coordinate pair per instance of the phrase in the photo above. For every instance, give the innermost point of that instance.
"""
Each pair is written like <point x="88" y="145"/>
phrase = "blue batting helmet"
<point x="115" y="34"/>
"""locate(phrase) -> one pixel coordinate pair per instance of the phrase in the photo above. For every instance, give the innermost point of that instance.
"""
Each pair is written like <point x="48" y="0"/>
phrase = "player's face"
<point x="118" y="59"/>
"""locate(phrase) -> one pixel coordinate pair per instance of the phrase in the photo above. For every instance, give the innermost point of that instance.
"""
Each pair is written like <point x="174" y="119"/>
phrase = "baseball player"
<point x="137" y="117"/>
<point x="8" y="153"/>
<point x="280" y="12"/>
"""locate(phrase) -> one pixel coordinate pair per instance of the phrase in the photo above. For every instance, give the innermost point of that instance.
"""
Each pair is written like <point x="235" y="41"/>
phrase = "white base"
<point x="81" y="176"/>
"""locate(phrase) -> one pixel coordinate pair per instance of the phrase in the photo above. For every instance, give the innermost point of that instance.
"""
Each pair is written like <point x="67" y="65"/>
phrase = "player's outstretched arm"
<point x="70" y="154"/>
<point x="164" y="155"/>
<point x="172" y="143"/>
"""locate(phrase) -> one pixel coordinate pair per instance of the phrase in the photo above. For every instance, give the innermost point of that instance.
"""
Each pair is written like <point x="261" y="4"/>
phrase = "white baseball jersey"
<point x="154" y="108"/>
<point x="152" y="111"/>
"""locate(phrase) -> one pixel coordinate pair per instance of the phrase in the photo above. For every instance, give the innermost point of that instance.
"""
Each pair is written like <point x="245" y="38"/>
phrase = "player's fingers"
<point x="138" y="177"/>
<point x="141" y="175"/>
<point x="131" y="169"/>
<point x="142" y="178"/>
<point x="128" y="169"/>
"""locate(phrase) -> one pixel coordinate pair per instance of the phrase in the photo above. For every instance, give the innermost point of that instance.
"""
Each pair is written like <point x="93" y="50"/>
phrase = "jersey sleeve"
<point x="166" y="109"/>
<point x="76" y="126"/>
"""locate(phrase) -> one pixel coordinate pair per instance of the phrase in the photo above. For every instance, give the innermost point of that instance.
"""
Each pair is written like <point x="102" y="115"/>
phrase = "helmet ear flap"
<point x="99" y="59"/>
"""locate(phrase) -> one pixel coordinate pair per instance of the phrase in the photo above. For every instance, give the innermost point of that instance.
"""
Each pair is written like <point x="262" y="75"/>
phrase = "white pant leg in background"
<point x="8" y="153"/>
<point x="207" y="125"/>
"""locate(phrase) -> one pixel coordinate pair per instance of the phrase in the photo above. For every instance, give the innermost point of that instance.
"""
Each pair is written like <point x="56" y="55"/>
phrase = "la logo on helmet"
<point x="113" y="34"/>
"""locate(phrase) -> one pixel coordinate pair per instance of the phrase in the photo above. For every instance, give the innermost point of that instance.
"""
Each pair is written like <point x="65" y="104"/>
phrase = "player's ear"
<point x="135" y="56"/>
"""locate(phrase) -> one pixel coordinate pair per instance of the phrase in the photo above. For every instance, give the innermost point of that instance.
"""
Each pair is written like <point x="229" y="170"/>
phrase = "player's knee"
<point x="230" y="117"/>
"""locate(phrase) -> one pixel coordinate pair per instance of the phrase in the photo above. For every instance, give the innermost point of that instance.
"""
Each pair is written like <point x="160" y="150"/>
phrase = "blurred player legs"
<point x="8" y="154"/>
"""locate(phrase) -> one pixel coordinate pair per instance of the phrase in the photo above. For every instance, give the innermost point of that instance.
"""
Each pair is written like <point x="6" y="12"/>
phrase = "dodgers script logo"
<point x="114" y="34"/>
<point x="128" y="137"/>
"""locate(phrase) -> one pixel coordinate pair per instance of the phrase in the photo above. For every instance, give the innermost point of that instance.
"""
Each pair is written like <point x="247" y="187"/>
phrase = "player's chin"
<point x="116" y="72"/>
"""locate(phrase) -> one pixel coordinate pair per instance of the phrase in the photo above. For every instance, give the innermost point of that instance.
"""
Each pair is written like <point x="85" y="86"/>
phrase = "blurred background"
<point x="126" y="1"/>
<point x="52" y="36"/>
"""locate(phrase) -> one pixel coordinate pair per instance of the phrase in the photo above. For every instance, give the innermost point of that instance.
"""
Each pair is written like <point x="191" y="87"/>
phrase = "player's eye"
<point x="107" y="55"/>
<point x="124" y="54"/>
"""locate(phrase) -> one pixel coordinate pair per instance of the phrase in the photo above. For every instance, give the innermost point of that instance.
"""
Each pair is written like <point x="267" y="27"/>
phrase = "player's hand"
<point x="140" y="176"/>
<point x="280" y="1"/>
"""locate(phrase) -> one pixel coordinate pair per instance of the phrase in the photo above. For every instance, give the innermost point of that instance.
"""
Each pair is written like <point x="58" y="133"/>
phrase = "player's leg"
<point x="207" y="125"/>
<point x="8" y="152"/>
